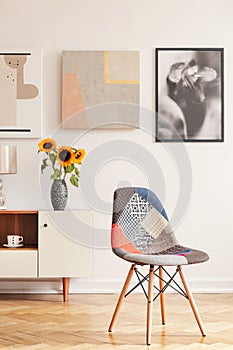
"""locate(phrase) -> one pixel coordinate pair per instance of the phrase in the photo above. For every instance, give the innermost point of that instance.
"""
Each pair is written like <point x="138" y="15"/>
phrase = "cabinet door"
<point x="65" y="243"/>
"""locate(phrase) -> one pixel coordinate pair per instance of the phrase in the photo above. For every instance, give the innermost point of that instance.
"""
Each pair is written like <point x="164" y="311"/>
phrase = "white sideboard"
<point x="57" y="244"/>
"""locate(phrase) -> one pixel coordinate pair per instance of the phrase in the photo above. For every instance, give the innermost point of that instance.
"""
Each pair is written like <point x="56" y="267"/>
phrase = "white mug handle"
<point x="20" y="239"/>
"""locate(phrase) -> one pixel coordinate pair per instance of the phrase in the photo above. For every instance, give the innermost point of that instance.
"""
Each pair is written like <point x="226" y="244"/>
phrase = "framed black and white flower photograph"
<point x="189" y="94"/>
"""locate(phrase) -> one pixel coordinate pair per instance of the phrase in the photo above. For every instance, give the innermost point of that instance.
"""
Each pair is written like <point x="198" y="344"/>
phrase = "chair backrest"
<point x="140" y="224"/>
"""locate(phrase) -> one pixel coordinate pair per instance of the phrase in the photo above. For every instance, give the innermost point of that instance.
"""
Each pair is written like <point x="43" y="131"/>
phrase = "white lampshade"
<point x="8" y="160"/>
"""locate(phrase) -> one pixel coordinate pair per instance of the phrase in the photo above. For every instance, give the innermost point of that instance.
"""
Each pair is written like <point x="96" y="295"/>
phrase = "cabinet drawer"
<point x="18" y="263"/>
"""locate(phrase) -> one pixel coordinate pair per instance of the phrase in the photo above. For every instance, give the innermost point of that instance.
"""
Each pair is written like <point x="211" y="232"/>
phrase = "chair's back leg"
<point x="121" y="297"/>
<point x="191" y="301"/>
<point x="149" y="305"/>
<point x="162" y="296"/>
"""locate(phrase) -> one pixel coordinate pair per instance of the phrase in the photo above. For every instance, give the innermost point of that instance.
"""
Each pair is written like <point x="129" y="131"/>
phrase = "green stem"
<point x="64" y="174"/>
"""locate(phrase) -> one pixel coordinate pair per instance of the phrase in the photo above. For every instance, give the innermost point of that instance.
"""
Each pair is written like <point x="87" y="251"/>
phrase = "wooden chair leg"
<point x="191" y="301"/>
<point x="121" y="297"/>
<point x="162" y="296"/>
<point x="149" y="305"/>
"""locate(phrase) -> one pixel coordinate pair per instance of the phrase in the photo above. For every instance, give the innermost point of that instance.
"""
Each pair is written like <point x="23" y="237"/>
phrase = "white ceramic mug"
<point x="14" y="240"/>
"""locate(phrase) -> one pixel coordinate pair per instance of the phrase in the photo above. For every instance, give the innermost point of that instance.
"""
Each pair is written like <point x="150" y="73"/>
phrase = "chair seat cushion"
<point x="176" y="255"/>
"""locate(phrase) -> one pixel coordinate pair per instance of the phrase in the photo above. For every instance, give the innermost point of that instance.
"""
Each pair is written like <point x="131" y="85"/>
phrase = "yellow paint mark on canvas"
<point x="106" y="74"/>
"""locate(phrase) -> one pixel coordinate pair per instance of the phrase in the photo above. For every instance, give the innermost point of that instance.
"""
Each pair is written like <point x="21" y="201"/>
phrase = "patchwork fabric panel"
<point x="141" y="239"/>
<point x="133" y="214"/>
<point x="154" y="223"/>
<point x="119" y="240"/>
<point x="164" y="241"/>
<point x="121" y="199"/>
<point x="127" y="222"/>
<point x="138" y="207"/>
<point x="151" y="198"/>
<point x="175" y="250"/>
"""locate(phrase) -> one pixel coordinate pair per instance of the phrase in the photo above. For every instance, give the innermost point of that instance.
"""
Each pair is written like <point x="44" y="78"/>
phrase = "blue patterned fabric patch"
<point x="152" y="199"/>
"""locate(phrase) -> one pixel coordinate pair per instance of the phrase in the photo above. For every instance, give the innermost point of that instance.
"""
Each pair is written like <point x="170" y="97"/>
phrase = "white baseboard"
<point x="54" y="286"/>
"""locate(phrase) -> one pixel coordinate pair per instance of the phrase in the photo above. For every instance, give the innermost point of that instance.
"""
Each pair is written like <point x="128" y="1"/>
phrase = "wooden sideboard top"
<point x="18" y="211"/>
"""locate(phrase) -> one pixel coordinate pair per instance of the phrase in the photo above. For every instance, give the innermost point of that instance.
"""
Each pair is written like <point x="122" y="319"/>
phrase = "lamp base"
<point x="2" y="208"/>
<point x="2" y="197"/>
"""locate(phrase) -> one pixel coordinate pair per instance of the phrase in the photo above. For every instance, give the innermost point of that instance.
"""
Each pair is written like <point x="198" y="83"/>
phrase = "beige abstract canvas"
<point x="91" y="79"/>
<point x="20" y="93"/>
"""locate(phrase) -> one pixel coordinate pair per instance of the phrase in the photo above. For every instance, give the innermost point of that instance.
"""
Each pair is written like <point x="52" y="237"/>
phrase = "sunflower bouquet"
<point x="63" y="160"/>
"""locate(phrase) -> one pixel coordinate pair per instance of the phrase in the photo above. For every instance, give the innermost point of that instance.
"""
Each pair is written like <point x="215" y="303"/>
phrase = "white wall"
<point x="57" y="25"/>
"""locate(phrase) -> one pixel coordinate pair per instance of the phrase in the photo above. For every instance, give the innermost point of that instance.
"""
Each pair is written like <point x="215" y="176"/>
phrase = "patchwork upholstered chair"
<point x="142" y="235"/>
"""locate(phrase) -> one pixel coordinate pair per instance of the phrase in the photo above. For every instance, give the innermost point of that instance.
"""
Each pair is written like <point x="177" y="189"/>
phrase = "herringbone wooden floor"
<point x="32" y="322"/>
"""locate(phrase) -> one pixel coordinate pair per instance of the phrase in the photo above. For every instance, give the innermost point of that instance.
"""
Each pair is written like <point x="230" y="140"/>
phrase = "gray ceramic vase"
<point x="59" y="194"/>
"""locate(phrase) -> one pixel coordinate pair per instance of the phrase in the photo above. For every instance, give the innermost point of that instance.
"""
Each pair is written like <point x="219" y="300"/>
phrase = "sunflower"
<point x="78" y="156"/>
<point x="65" y="156"/>
<point x="47" y="145"/>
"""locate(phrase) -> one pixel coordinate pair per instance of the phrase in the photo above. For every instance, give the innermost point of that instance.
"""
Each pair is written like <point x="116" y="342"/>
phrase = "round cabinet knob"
<point x="45" y="225"/>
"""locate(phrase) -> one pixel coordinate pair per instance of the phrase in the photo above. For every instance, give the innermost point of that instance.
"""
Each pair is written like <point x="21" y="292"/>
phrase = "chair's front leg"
<point x="149" y="305"/>
<point x="121" y="297"/>
<point x="162" y="297"/>
<point x="191" y="301"/>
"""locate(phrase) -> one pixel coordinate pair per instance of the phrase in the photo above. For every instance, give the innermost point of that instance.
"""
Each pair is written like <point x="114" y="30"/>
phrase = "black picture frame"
<point x="189" y="94"/>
